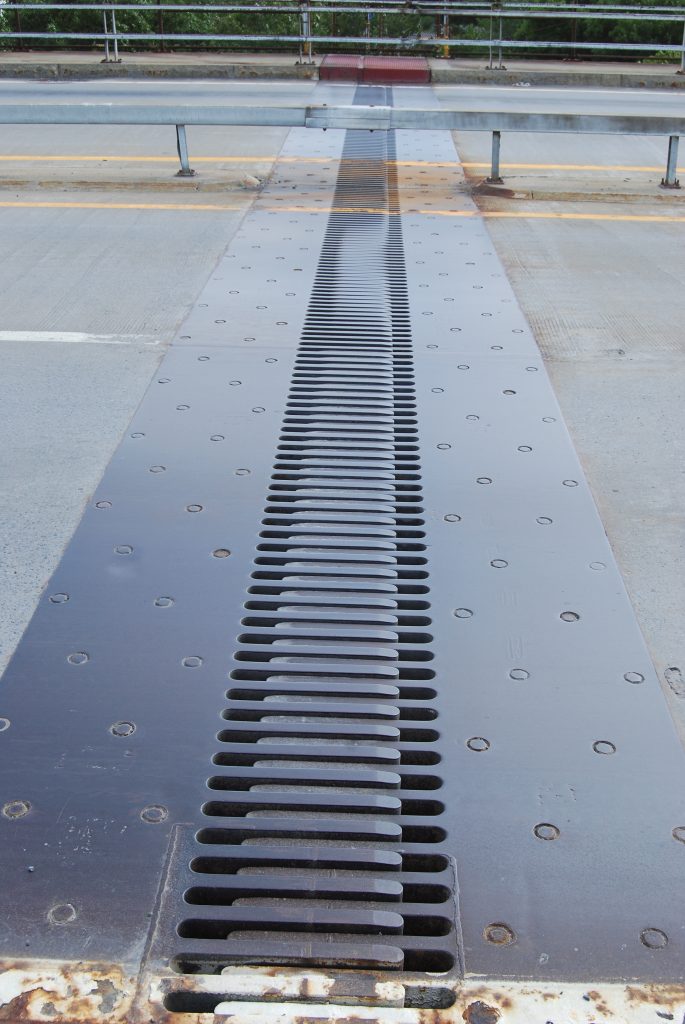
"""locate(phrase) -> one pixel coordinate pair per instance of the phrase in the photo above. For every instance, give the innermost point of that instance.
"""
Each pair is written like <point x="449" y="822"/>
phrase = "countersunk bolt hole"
<point x="122" y="729"/>
<point x="544" y="520"/>
<point x="634" y="677"/>
<point x="14" y="809"/>
<point x="193" y="661"/>
<point x="499" y="934"/>
<point x="472" y="416"/>
<point x="59" y="598"/>
<point x="484" y="480"/>
<point x="499" y="563"/>
<point x="123" y="549"/>
<point x="62" y="913"/>
<point x="570" y="616"/>
<point x="519" y="673"/>
<point x="221" y="552"/>
<point x="598" y="566"/>
<point x="452" y="517"/>
<point x="157" y="469"/>
<point x="549" y="419"/>
<point x="4" y="724"/>
<point x="604" y="747"/>
<point x="242" y="472"/>
<point x="463" y="613"/>
<point x="217" y="437"/>
<point x="443" y="446"/>
<point x="194" y="508"/>
<point x="546" y="831"/>
<point x="478" y="744"/>
<point x="679" y="833"/>
<point x="164" y="602"/>
<point x="154" y="814"/>
<point x="78" y="658"/>
<point x="653" y="938"/>
<point x="103" y="504"/>
<point x="570" y="483"/>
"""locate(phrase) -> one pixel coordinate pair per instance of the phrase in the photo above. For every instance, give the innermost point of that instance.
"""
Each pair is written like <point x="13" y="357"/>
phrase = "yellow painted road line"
<point x="486" y="214"/>
<point x="570" y="167"/>
<point x="21" y="204"/>
<point x="115" y="158"/>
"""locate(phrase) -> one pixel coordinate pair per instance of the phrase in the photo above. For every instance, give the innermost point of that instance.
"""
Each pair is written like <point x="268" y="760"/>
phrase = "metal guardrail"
<point x="373" y="118"/>
<point x="305" y="40"/>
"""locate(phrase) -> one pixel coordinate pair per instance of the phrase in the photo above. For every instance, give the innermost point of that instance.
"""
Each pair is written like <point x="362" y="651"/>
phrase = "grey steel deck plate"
<point x="473" y="602"/>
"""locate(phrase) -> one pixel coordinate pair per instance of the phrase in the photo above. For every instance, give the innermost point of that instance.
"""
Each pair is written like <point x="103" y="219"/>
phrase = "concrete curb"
<point x="604" y="80"/>
<point x="79" y="70"/>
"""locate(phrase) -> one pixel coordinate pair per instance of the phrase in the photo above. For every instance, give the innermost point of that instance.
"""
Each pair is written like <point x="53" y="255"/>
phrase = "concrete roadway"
<point x="602" y="283"/>
<point x="569" y="100"/>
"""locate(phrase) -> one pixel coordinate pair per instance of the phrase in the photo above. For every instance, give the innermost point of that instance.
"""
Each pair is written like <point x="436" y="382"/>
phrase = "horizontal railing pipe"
<point x="396" y="41"/>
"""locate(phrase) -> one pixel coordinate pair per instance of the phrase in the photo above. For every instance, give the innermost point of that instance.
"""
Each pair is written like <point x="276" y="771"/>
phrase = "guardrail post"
<point x="104" y="19"/>
<point x="108" y="59"/>
<point x="116" y="41"/>
<point x="681" y="70"/>
<point x="182" y="148"/>
<point x="670" y="181"/>
<point x="495" y="178"/>
<point x="306" y="33"/>
<point x="445" y="33"/>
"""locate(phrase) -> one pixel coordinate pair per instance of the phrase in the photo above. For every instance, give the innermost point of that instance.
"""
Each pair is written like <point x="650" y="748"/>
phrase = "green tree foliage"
<point x="148" y="19"/>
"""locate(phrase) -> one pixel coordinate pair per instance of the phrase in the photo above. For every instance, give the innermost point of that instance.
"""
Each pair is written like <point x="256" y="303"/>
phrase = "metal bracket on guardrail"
<point x="495" y="177"/>
<point x="182" y="149"/>
<point x="670" y="181"/>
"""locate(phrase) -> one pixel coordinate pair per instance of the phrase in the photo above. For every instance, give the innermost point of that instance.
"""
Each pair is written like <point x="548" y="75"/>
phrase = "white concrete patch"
<point x="79" y="338"/>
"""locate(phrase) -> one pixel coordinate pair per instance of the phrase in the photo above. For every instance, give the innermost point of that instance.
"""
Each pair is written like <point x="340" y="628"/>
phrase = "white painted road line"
<point x="78" y="338"/>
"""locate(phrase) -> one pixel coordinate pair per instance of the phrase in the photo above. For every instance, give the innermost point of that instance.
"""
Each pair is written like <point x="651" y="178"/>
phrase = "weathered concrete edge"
<point x="66" y="71"/>
<point x="132" y="69"/>
<point x="604" y="80"/>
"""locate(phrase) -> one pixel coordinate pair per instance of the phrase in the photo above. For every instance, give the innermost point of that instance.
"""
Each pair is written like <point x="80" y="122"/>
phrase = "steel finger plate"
<point x="336" y="695"/>
<point x="110" y="705"/>
<point x="559" y="825"/>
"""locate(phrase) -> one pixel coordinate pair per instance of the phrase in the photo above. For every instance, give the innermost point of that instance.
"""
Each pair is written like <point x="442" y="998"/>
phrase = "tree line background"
<point x="149" y="19"/>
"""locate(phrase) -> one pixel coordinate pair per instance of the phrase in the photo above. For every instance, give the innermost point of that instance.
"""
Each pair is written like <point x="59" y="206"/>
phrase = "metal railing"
<point x="305" y="40"/>
<point x="378" y="118"/>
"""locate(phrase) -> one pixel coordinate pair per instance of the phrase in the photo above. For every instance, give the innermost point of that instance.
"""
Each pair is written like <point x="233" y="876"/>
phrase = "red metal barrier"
<point x="396" y="70"/>
<point x="341" y="67"/>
